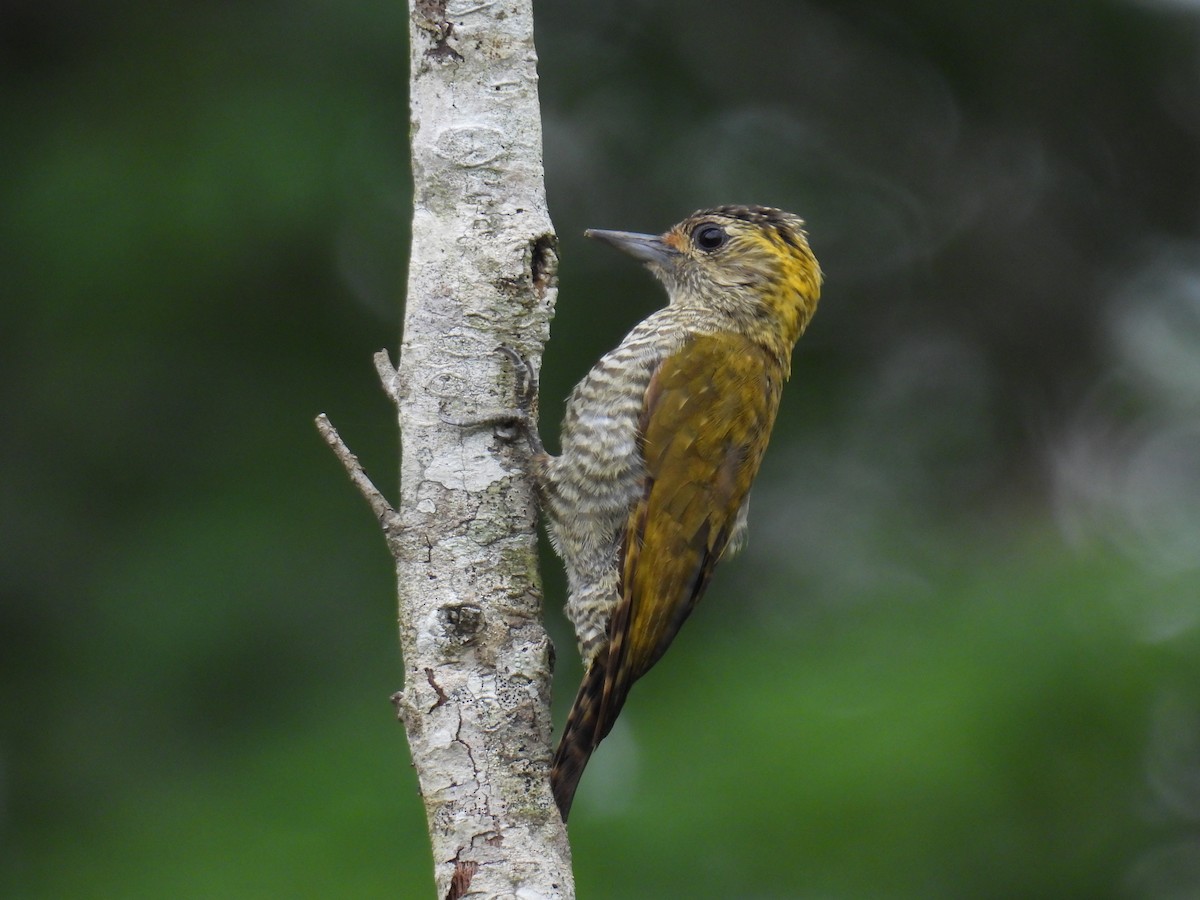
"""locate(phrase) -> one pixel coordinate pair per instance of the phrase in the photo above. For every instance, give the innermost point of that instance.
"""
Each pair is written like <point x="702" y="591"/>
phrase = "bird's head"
<point x="752" y="262"/>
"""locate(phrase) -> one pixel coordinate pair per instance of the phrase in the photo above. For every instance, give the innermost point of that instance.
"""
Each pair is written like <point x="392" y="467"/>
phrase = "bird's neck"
<point x="784" y="315"/>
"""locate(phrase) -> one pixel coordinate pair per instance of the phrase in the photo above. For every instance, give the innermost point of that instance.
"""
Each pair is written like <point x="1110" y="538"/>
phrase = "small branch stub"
<point x="358" y="476"/>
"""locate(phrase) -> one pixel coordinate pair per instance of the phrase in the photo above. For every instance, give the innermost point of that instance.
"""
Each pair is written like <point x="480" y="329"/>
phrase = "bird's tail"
<point x="580" y="736"/>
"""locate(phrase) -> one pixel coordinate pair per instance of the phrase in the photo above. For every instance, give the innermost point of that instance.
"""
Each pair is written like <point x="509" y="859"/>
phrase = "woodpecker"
<point x="661" y="442"/>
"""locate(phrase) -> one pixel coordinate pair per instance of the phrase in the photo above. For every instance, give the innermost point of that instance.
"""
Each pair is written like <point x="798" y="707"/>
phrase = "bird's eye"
<point x="709" y="237"/>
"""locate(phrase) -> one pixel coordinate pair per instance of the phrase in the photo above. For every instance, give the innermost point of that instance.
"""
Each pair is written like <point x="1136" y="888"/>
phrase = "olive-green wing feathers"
<point x="705" y="424"/>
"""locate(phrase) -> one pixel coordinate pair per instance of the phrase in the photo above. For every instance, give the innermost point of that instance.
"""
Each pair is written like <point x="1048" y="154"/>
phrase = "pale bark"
<point x="475" y="702"/>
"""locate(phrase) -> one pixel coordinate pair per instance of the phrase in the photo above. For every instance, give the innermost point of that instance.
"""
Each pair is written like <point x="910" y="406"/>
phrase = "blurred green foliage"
<point x="960" y="657"/>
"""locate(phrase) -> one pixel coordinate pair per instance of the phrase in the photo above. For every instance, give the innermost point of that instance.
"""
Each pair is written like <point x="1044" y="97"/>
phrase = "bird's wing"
<point x="705" y="424"/>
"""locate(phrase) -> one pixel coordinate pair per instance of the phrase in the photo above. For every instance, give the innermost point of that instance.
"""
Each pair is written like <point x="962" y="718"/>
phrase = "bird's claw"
<point x="527" y="392"/>
<point x="509" y="423"/>
<point x="527" y="380"/>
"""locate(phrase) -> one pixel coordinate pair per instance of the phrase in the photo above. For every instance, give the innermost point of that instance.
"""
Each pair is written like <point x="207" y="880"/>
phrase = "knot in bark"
<point x="462" y="621"/>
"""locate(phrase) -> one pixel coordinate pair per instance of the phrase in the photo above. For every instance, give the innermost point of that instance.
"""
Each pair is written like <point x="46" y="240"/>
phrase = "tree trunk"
<point x="475" y="702"/>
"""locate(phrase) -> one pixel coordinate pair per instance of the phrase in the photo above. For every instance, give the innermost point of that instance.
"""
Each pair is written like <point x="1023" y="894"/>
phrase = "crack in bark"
<point x="460" y="881"/>
<point x="458" y="738"/>
<point x="442" y="699"/>
<point x="470" y="755"/>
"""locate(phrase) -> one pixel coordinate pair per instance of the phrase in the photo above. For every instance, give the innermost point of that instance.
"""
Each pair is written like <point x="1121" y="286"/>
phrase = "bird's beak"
<point x="648" y="248"/>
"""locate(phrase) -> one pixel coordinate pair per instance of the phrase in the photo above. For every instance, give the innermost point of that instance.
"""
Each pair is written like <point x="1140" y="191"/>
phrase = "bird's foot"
<point x="510" y="423"/>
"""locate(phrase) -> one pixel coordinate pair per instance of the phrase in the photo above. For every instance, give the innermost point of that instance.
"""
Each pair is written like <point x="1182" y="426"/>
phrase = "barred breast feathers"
<point x="598" y="475"/>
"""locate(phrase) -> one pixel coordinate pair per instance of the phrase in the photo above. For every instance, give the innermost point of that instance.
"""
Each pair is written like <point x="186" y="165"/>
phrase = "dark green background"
<point x="961" y="657"/>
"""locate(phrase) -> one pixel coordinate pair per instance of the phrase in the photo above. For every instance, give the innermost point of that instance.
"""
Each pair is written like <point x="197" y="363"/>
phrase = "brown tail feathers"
<point x="587" y="725"/>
